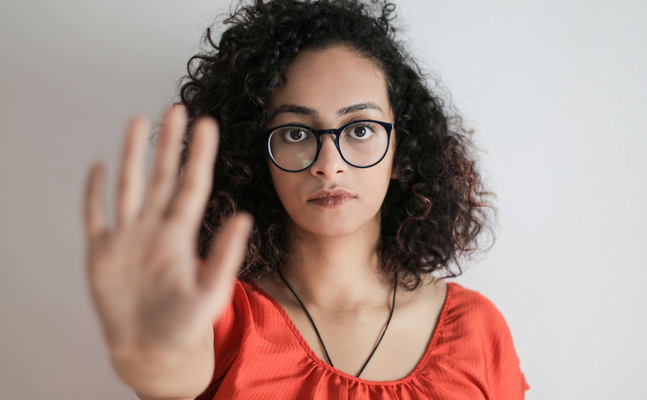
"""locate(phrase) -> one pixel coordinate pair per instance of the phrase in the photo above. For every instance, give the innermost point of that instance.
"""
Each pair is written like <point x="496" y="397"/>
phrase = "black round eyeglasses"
<point x="296" y="147"/>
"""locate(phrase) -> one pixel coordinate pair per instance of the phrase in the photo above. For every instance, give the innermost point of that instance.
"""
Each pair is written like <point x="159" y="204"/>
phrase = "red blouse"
<point x="260" y="354"/>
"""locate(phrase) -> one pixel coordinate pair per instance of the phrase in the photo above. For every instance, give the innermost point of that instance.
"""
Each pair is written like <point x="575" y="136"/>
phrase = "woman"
<point x="341" y="188"/>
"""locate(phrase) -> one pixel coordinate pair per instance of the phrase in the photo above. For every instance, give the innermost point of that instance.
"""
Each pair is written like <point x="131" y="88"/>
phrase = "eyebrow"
<point x="309" y="112"/>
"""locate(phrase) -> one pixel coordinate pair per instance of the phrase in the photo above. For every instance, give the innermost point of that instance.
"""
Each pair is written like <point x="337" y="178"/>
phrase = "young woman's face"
<point x="324" y="84"/>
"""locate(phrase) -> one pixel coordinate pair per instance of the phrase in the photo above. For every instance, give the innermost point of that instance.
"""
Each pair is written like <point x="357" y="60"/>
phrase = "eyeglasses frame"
<point x="265" y="135"/>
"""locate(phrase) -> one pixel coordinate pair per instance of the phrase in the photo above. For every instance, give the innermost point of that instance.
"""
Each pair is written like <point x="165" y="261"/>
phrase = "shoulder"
<point x="245" y="308"/>
<point x="478" y="330"/>
<point x="469" y="299"/>
<point x="248" y="300"/>
<point x="472" y="323"/>
<point x="253" y="307"/>
<point x="474" y="308"/>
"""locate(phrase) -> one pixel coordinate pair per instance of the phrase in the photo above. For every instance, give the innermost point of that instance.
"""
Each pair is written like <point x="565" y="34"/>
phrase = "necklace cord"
<point x="308" y="314"/>
<point x="317" y="331"/>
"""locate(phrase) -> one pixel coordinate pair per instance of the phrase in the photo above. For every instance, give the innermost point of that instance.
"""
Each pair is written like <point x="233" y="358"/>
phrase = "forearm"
<point x="168" y="375"/>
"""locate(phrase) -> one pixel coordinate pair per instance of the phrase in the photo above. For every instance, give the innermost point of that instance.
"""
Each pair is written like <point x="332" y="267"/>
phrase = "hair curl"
<point x="433" y="213"/>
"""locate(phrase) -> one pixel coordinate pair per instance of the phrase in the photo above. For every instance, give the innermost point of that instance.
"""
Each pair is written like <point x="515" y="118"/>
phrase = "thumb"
<point x="228" y="253"/>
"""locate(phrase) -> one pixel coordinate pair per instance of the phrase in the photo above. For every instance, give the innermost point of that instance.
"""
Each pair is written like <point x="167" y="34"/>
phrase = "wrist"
<point x="163" y="372"/>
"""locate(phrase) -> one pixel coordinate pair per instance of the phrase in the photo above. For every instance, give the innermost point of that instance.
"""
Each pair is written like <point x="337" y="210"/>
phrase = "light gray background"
<point x="555" y="89"/>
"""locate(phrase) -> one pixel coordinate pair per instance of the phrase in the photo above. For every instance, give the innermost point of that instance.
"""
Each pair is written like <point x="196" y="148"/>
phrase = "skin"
<point x="333" y="266"/>
<point x="329" y="241"/>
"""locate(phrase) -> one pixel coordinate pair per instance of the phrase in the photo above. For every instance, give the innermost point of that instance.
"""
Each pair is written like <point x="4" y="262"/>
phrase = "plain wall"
<point x="556" y="91"/>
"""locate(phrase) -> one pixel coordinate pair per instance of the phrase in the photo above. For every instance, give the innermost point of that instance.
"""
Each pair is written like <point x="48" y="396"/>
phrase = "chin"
<point x="331" y="225"/>
<point x="332" y="232"/>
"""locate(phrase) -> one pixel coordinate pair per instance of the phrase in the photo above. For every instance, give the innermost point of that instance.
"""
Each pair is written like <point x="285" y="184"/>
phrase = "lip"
<point x="322" y="194"/>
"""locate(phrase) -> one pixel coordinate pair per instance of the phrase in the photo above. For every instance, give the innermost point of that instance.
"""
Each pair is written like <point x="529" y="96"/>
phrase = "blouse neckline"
<point x="423" y="361"/>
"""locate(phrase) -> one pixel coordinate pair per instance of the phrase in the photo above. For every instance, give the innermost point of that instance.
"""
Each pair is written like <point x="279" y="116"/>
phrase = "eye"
<point x="294" y="134"/>
<point x="361" y="130"/>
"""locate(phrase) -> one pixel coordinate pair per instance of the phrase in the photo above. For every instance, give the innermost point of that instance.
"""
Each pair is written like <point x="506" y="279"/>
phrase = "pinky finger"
<point x="95" y="214"/>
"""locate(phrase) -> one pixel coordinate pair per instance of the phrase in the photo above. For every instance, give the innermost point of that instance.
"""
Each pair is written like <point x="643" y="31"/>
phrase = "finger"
<point x="130" y="191"/>
<point x="227" y="255"/>
<point x="94" y="207"/>
<point x="198" y="179"/>
<point x="166" y="162"/>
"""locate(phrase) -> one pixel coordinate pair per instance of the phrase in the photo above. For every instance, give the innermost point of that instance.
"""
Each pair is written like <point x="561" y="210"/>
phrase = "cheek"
<point x="383" y="174"/>
<point x="285" y="185"/>
<point x="377" y="184"/>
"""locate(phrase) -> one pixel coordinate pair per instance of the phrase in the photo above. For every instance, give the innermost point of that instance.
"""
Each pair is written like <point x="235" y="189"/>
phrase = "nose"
<point x="329" y="162"/>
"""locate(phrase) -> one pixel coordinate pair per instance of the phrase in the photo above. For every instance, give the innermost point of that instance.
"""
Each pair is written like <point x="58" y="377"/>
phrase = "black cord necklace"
<point x="319" y="336"/>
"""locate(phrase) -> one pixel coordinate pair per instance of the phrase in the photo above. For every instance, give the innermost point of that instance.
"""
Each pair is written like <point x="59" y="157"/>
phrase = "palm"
<point x="146" y="282"/>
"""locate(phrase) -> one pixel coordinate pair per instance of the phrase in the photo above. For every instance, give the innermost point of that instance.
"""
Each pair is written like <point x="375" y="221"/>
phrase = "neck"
<point x="338" y="273"/>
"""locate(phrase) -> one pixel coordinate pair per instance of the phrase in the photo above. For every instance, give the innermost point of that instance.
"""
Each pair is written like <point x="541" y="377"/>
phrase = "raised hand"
<point x="147" y="284"/>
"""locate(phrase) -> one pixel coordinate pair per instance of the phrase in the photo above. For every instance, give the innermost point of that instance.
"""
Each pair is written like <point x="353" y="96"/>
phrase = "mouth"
<point x="327" y="194"/>
<point x="331" y="201"/>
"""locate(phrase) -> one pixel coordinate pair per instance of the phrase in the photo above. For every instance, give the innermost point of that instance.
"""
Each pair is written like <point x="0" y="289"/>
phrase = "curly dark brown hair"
<point x="433" y="213"/>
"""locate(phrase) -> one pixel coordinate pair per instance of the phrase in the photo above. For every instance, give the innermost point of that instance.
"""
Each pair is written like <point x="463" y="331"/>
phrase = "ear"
<point x="394" y="173"/>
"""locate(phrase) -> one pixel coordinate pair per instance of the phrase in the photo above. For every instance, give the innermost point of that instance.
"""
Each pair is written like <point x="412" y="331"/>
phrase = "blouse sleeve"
<point x="506" y="380"/>
<point x="228" y="332"/>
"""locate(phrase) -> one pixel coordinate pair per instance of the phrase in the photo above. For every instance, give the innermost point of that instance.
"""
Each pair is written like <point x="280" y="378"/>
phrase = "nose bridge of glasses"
<point x="322" y="132"/>
<point x="333" y="133"/>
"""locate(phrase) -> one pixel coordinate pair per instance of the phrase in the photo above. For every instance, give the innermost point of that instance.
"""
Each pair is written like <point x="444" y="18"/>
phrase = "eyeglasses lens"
<point x="361" y="144"/>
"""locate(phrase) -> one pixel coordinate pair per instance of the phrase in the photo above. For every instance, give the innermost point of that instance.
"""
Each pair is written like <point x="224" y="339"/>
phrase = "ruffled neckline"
<point x="423" y="361"/>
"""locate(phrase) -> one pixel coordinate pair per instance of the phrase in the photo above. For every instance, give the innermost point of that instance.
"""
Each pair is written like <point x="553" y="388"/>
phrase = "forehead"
<point x="330" y="79"/>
